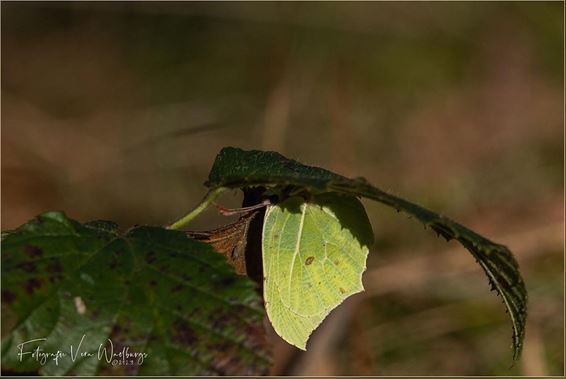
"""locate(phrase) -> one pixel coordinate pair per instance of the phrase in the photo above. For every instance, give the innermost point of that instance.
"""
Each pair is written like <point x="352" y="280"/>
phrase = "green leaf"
<point x="152" y="290"/>
<point x="236" y="168"/>
<point x="314" y="254"/>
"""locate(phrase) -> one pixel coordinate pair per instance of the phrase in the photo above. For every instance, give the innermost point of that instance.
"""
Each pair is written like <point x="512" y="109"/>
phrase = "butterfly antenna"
<point x="235" y="211"/>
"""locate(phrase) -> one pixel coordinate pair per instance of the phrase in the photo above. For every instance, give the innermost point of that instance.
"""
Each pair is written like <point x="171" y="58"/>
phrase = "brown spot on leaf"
<point x="342" y="290"/>
<point x="113" y="263"/>
<point x="177" y="288"/>
<point x="54" y="266"/>
<point x="33" y="251"/>
<point x="8" y="296"/>
<point x="28" y="267"/>
<point x="94" y="315"/>
<point x="226" y="281"/>
<point x="186" y="277"/>
<point x="151" y="257"/>
<point x="32" y="284"/>
<point x="116" y="331"/>
<point x="222" y="320"/>
<point x="183" y="334"/>
<point x="226" y="359"/>
<point x="309" y="260"/>
<point x="55" y="278"/>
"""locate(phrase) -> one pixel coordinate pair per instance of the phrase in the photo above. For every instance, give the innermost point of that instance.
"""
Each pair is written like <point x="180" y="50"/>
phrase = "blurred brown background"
<point x="116" y="111"/>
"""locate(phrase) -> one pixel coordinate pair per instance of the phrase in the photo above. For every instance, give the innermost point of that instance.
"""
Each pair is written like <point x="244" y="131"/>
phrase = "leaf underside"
<point x="236" y="168"/>
<point x="314" y="254"/>
<point x="153" y="290"/>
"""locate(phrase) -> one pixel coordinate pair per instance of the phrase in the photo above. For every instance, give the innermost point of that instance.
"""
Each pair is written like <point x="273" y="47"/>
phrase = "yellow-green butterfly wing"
<point x="314" y="254"/>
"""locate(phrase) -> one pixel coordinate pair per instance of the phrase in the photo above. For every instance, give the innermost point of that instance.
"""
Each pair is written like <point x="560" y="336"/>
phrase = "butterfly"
<point x="314" y="254"/>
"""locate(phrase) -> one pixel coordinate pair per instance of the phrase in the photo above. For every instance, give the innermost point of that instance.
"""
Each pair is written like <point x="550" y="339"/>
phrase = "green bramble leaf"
<point x="149" y="289"/>
<point x="314" y="254"/>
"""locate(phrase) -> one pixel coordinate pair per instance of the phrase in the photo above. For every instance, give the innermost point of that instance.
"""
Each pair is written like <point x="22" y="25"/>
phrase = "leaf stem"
<point x="206" y="201"/>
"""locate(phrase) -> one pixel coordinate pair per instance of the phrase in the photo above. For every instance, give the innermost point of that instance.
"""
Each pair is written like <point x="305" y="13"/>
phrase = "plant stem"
<point x="206" y="201"/>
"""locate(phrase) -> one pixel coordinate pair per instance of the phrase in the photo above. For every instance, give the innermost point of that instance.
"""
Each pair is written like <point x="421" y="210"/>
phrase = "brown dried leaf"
<point x="229" y="240"/>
